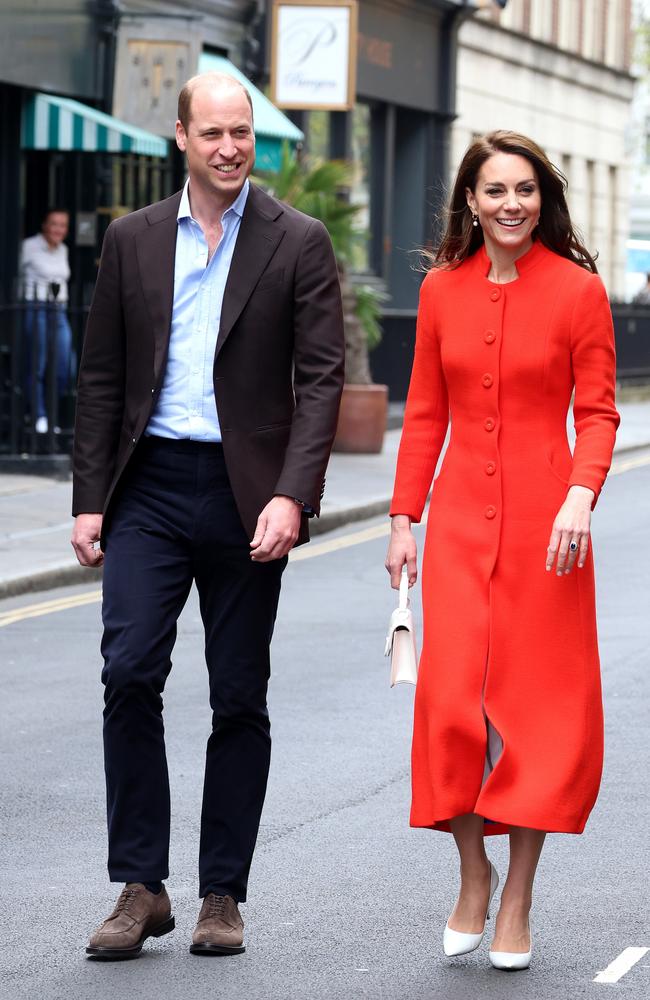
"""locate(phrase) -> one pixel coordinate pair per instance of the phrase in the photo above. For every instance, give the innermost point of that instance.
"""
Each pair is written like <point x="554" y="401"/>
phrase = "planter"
<point x="362" y="419"/>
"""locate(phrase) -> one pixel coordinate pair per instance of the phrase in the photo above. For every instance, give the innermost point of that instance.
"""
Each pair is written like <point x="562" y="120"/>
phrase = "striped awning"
<point x="51" y="122"/>
<point x="272" y="127"/>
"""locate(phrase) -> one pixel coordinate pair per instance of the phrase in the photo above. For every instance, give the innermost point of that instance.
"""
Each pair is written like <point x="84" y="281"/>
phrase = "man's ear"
<point x="181" y="137"/>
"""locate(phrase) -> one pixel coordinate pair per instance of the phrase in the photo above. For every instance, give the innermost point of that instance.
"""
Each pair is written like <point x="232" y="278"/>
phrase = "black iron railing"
<point x="40" y="342"/>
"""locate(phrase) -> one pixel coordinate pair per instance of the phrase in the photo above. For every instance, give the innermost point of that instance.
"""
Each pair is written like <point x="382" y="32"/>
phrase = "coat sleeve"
<point x="594" y="370"/>
<point x="319" y="354"/>
<point x="101" y="388"/>
<point x="426" y="416"/>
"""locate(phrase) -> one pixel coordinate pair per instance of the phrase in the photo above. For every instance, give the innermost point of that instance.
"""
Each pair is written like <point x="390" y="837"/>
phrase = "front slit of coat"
<point x="493" y="741"/>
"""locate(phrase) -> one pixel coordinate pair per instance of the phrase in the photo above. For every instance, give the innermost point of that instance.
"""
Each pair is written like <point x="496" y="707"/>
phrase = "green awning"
<point x="272" y="127"/>
<point x="51" y="122"/>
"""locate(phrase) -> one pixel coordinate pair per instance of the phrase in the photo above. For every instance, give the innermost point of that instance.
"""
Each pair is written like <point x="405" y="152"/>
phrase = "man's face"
<point x="55" y="228"/>
<point x="219" y="141"/>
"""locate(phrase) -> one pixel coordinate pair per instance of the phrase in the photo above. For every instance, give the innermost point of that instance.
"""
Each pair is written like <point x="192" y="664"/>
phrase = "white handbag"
<point x="400" y="641"/>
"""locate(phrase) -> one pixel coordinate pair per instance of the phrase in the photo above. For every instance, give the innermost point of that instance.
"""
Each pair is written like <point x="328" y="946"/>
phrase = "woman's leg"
<point x="512" y="932"/>
<point x="468" y="914"/>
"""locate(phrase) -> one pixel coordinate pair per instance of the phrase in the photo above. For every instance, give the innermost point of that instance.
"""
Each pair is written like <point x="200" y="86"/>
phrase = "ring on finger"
<point x="573" y="545"/>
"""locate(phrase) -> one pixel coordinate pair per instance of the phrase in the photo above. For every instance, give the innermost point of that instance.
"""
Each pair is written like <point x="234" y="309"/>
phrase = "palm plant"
<point x="317" y="189"/>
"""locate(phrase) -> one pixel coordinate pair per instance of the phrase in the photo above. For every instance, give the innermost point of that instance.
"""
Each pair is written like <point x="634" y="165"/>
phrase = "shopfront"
<point x="397" y="137"/>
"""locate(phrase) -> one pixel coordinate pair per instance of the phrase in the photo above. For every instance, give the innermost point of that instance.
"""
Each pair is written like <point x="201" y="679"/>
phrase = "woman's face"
<point x="507" y="201"/>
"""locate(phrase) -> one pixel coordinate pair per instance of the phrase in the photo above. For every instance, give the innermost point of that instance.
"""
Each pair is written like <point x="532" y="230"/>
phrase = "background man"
<point x="44" y="273"/>
<point x="208" y="396"/>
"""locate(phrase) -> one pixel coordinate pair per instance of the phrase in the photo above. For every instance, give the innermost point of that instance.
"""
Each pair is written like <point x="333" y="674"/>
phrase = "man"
<point x="207" y="405"/>
<point x="44" y="274"/>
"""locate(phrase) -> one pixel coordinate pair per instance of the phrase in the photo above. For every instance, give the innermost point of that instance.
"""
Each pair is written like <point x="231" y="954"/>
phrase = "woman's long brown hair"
<point x="555" y="229"/>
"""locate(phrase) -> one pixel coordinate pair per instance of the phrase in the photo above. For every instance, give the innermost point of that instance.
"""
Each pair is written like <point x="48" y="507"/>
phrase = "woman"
<point x="508" y="729"/>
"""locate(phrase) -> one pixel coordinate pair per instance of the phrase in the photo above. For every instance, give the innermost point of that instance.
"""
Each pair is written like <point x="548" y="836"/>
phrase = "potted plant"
<point x="316" y="188"/>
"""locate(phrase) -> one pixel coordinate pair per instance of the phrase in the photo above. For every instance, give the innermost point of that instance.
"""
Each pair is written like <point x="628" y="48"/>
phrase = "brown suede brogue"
<point x="138" y="914"/>
<point x="220" y="928"/>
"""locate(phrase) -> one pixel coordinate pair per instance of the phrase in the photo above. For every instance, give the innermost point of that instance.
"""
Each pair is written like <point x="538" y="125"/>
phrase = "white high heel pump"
<point x="458" y="943"/>
<point x="511" y="961"/>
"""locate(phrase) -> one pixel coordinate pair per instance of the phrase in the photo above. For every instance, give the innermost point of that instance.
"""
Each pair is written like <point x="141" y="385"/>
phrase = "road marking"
<point x="342" y="542"/>
<point x="626" y="464"/>
<point x="49" y="607"/>
<point x="621" y="965"/>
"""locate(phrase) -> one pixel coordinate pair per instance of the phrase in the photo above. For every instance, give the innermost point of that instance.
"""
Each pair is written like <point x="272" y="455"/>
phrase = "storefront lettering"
<point x="376" y="51"/>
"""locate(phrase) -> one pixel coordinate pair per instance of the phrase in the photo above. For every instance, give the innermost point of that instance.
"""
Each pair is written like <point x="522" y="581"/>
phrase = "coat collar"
<point x="259" y="236"/>
<point x="258" y="239"/>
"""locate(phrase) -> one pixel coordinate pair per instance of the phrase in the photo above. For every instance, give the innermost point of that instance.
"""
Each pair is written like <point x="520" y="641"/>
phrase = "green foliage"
<point x="318" y="189"/>
<point x="368" y="309"/>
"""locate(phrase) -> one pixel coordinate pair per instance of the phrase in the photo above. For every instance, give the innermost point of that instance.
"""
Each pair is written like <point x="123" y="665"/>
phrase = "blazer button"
<point x="495" y="295"/>
<point x="490" y="512"/>
<point x="489" y="424"/>
<point x="490" y="468"/>
<point x="487" y="380"/>
<point x="132" y="440"/>
<point x="489" y="337"/>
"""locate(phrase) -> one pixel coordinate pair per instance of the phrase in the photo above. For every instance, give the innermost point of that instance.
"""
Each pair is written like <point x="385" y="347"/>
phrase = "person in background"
<point x="508" y="730"/>
<point x="44" y="276"/>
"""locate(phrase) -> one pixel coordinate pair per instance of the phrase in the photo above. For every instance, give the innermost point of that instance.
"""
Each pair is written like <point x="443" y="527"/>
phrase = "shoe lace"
<point x="124" y="901"/>
<point x="216" y="905"/>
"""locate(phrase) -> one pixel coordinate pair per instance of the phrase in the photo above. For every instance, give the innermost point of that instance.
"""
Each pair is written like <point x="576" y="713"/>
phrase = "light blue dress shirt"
<point x="186" y="405"/>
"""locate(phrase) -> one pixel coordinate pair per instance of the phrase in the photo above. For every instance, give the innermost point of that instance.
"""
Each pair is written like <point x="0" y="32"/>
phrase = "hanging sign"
<point x="313" y="54"/>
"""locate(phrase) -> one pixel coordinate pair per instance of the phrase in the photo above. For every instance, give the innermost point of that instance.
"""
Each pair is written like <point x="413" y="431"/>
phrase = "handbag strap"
<point x="404" y="589"/>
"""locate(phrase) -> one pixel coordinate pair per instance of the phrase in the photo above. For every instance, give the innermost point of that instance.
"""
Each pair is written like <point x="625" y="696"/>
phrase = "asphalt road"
<point x="345" y="900"/>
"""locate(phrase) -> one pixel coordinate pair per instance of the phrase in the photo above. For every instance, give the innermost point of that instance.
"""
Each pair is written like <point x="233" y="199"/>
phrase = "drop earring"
<point x="475" y="221"/>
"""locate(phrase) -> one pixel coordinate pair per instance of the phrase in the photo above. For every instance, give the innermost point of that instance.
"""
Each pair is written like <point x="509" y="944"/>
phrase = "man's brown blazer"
<point x="278" y="367"/>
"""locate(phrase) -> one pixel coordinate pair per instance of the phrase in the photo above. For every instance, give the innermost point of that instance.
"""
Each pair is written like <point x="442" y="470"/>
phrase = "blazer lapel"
<point x="257" y="240"/>
<point x="156" y="251"/>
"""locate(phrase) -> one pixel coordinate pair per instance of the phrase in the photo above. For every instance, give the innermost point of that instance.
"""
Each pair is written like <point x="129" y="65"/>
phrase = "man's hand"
<point x="277" y="529"/>
<point x="85" y="533"/>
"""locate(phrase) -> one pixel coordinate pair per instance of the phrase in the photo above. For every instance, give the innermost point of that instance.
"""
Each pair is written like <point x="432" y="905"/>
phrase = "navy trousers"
<point x="174" y="522"/>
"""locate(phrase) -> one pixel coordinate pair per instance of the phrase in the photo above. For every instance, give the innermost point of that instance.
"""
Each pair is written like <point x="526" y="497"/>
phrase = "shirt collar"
<point x="238" y="205"/>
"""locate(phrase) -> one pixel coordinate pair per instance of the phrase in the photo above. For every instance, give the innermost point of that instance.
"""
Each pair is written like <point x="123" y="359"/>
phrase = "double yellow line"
<point x="304" y="552"/>
<point x="94" y="596"/>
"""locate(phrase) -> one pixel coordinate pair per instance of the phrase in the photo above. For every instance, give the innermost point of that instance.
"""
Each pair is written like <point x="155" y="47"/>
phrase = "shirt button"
<point x="489" y="337"/>
<point x="490" y="512"/>
<point x="489" y="424"/>
<point x="495" y="295"/>
<point x="490" y="468"/>
<point x="487" y="380"/>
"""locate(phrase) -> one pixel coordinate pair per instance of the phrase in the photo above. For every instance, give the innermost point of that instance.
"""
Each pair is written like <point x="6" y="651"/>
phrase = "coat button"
<point x="487" y="380"/>
<point x="495" y="295"/>
<point x="489" y="424"/>
<point x="490" y="512"/>
<point x="490" y="468"/>
<point x="489" y="337"/>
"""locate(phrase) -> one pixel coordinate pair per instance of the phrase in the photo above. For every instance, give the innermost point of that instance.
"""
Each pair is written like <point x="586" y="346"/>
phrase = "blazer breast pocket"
<point x="271" y="280"/>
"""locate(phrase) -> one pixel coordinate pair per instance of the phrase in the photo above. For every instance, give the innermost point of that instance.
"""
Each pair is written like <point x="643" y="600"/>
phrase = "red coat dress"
<point x="505" y="640"/>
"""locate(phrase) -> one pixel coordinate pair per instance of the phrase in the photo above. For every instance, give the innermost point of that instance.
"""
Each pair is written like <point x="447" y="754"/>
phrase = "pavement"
<point x="35" y="552"/>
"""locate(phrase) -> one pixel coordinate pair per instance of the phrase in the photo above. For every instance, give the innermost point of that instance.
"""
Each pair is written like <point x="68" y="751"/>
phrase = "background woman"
<point x="508" y="729"/>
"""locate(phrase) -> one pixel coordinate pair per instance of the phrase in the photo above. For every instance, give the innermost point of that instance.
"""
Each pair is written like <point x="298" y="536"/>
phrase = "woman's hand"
<point x="402" y="549"/>
<point x="570" y="534"/>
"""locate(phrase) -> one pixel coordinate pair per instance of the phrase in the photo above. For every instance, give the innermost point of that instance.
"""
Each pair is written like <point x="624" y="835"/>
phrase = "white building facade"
<point x="559" y="71"/>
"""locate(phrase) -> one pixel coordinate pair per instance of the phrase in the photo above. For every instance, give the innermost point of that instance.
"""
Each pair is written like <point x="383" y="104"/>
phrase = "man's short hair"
<point x="185" y="96"/>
